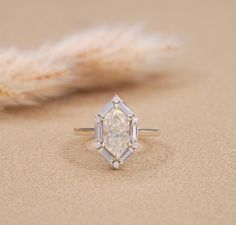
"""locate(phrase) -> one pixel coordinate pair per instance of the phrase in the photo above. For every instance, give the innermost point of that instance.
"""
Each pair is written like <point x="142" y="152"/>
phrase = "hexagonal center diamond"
<point x="116" y="131"/>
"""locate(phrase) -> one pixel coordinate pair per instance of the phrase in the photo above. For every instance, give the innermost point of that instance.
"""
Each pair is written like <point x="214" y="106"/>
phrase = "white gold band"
<point x="142" y="131"/>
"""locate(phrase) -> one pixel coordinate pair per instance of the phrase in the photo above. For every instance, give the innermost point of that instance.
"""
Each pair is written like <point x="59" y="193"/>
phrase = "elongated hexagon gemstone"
<point x="116" y="132"/>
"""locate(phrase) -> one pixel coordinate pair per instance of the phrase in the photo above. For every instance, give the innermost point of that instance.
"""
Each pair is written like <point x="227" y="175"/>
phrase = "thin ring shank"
<point x="143" y="131"/>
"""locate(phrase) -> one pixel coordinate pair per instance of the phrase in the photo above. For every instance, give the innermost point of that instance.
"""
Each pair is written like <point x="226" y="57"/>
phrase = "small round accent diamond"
<point x="116" y="164"/>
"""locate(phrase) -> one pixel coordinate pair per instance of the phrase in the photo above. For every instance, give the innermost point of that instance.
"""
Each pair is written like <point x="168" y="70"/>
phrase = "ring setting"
<point x="116" y="132"/>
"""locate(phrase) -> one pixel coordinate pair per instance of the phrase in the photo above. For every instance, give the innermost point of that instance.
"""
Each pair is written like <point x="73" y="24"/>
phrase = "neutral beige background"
<point x="186" y="177"/>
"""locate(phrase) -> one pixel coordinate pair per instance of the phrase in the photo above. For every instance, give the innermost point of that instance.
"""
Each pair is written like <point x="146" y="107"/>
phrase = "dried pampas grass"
<point x="91" y="59"/>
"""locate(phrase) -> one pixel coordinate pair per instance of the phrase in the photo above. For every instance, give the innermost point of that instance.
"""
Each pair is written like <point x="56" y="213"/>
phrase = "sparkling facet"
<point x="116" y="164"/>
<point x="105" y="109"/>
<point x="126" y="155"/>
<point x="134" y="132"/>
<point x="106" y="154"/>
<point x="125" y="109"/>
<point x="98" y="131"/>
<point x="116" y="132"/>
<point x="135" y="119"/>
<point x="135" y="145"/>
<point x="98" y="119"/>
<point x="116" y="99"/>
<point x="98" y="144"/>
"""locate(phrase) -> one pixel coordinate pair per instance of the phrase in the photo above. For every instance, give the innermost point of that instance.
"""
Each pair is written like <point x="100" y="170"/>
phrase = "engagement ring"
<point x="116" y="132"/>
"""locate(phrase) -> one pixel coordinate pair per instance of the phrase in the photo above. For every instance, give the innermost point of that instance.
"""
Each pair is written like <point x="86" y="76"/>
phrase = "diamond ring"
<point x="116" y="132"/>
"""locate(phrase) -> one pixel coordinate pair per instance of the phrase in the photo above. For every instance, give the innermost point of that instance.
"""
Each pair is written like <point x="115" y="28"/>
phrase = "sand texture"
<point x="187" y="176"/>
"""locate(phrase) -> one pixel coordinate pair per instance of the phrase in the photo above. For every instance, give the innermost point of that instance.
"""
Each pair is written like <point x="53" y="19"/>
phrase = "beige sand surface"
<point x="185" y="177"/>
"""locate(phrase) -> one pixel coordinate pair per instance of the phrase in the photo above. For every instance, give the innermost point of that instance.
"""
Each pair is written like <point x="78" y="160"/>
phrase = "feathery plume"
<point x="95" y="58"/>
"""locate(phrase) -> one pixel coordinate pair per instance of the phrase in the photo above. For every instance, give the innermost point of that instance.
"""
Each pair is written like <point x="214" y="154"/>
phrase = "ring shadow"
<point x="151" y="156"/>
